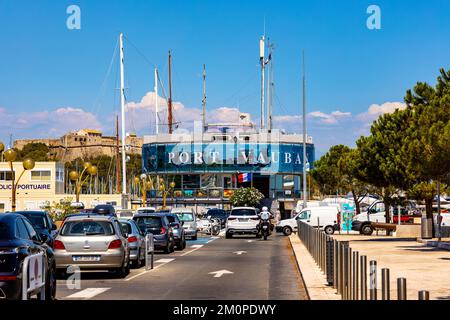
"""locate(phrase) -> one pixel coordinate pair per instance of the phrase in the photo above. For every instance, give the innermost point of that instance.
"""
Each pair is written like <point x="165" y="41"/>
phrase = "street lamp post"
<point x="144" y="185"/>
<point x="163" y="188"/>
<point x="28" y="164"/>
<point x="80" y="180"/>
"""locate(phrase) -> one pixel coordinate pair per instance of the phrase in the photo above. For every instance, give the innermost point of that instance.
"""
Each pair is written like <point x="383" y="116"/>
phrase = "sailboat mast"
<point x="156" y="102"/>
<point x="169" y="103"/>
<point x="261" y="59"/>
<point x="305" y="187"/>
<point x="204" y="100"/>
<point x="122" y="105"/>
<point x="117" y="155"/>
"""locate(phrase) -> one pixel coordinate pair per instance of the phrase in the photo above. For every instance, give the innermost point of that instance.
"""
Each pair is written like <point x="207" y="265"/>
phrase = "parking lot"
<point x="210" y="267"/>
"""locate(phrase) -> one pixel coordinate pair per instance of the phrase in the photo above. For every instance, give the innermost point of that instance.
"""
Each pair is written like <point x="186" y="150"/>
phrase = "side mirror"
<point x="41" y="238"/>
<point x="54" y="227"/>
<point x="182" y="223"/>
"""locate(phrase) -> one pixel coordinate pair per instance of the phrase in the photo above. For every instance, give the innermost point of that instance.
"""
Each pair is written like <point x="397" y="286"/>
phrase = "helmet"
<point x="265" y="209"/>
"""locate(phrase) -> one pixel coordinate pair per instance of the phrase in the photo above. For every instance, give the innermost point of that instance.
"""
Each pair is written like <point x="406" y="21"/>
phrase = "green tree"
<point x="246" y="197"/>
<point x="36" y="151"/>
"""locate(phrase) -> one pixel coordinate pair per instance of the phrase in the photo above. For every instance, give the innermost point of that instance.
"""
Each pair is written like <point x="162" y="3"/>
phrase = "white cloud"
<point x="375" y="110"/>
<point x="329" y="118"/>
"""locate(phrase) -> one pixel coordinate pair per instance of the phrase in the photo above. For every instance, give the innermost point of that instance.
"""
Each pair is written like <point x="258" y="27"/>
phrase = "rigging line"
<point x="103" y="85"/>
<point x="139" y="52"/>
<point x="246" y="83"/>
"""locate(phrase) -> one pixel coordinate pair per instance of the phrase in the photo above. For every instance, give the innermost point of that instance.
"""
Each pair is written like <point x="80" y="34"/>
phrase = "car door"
<point x="23" y="233"/>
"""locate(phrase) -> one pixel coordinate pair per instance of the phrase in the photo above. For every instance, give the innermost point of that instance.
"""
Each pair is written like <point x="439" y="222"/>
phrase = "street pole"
<point x="156" y="103"/>
<point x="122" y="105"/>
<point x="438" y="186"/>
<point x="305" y="196"/>
<point x="261" y="58"/>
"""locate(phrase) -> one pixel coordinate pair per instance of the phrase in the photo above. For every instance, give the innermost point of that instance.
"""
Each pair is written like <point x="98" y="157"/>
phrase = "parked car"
<point x="216" y="213"/>
<point x="326" y="218"/>
<point x="92" y="242"/>
<point x="43" y="224"/>
<point x="178" y="231"/>
<point x="146" y="210"/>
<point x="105" y="209"/>
<point x="159" y="226"/>
<point x="18" y="239"/>
<point x="242" y="220"/>
<point x="136" y="242"/>
<point x="187" y="216"/>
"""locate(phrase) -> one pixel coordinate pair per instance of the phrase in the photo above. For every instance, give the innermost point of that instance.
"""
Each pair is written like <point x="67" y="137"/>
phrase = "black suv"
<point x="159" y="226"/>
<point x="18" y="239"/>
<point x="105" y="209"/>
<point x="216" y="213"/>
<point x="43" y="224"/>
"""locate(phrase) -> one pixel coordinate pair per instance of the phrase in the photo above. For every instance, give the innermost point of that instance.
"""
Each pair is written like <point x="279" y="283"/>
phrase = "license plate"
<point x="264" y="227"/>
<point x="243" y="220"/>
<point x="86" y="258"/>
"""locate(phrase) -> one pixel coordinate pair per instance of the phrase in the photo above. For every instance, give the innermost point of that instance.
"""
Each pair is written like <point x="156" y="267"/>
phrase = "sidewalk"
<point x="315" y="281"/>
<point x="424" y="267"/>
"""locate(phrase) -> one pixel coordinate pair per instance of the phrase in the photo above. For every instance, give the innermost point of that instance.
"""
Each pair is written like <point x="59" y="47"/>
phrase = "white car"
<point x="327" y="218"/>
<point x="242" y="220"/>
<point x="189" y="220"/>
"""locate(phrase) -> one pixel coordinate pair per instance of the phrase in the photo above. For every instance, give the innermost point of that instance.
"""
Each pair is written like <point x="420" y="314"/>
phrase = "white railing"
<point x="33" y="275"/>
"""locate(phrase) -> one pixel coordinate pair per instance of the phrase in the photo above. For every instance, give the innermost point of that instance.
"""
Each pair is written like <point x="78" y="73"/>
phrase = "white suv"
<point x="242" y="220"/>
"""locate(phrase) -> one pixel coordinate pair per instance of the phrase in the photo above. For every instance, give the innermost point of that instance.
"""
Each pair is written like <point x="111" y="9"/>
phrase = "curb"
<point x="299" y="270"/>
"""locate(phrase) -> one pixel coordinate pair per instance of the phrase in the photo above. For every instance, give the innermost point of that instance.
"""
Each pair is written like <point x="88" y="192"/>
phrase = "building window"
<point x="6" y="176"/>
<point x="41" y="175"/>
<point x="2" y="207"/>
<point x="60" y="174"/>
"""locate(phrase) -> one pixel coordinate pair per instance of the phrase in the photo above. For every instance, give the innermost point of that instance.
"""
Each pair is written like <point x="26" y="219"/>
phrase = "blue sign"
<point x="225" y="157"/>
<point x="348" y="212"/>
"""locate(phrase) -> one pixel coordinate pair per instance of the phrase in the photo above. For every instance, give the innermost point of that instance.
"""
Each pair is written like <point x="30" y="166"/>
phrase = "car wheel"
<point x="172" y="246"/>
<point x="123" y="271"/>
<point x="287" y="231"/>
<point x="228" y="235"/>
<point x="137" y="263"/>
<point x="366" y="230"/>
<point x="329" y="230"/>
<point x="167" y="248"/>
<point x="194" y="237"/>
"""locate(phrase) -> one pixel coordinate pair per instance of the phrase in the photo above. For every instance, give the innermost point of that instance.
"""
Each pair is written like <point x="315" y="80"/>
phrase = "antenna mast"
<point x="156" y="102"/>
<point x="122" y="104"/>
<point x="261" y="59"/>
<point x="169" y="103"/>
<point x="270" y="87"/>
<point x="117" y="155"/>
<point x="204" y="100"/>
<point x="305" y="160"/>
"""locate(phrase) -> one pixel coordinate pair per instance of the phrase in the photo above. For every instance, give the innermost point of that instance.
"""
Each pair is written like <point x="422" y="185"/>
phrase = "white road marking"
<point x="87" y="293"/>
<point x="164" y="260"/>
<point x="240" y="252"/>
<point x="197" y="246"/>
<point x="219" y="273"/>
<point x="250" y="241"/>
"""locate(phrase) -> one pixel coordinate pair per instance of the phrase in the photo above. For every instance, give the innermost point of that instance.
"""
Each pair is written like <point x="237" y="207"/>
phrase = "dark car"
<point x="159" y="226"/>
<point x="178" y="230"/>
<point x="43" y="224"/>
<point x="217" y="213"/>
<point x="105" y="209"/>
<point x="18" y="239"/>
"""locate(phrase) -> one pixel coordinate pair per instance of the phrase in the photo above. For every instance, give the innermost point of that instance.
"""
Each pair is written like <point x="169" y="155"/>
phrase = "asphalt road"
<point x="209" y="268"/>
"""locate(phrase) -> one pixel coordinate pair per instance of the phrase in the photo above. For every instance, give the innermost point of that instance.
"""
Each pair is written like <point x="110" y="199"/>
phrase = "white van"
<point x="327" y="218"/>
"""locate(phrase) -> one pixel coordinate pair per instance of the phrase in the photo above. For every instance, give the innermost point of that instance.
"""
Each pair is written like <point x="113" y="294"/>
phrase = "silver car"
<point x="136" y="242"/>
<point x="91" y="241"/>
<point x="189" y="220"/>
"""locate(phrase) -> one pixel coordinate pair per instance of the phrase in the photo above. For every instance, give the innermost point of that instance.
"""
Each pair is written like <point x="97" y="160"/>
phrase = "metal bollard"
<point x="355" y="271"/>
<point x="385" y="284"/>
<point x="335" y="263"/>
<point x="373" y="280"/>
<point x="349" y="275"/>
<point x="346" y="266"/>
<point x="401" y="289"/>
<point x="363" y="260"/>
<point x="424" y="295"/>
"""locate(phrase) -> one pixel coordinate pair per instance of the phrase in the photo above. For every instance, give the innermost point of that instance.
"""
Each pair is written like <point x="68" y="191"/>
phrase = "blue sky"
<point x="54" y="79"/>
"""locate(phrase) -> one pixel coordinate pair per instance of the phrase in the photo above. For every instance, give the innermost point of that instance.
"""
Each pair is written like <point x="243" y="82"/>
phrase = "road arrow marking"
<point x="240" y="252"/>
<point x="250" y="241"/>
<point x="219" y="273"/>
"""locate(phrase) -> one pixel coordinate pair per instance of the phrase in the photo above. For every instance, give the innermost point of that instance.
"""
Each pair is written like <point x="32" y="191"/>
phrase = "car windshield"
<point x="216" y="213"/>
<point x="148" y="222"/>
<point x="126" y="227"/>
<point x="87" y="228"/>
<point x="243" y="212"/>
<point x="4" y="231"/>
<point x="38" y="221"/>
<point x="146" y="211"/>
<point x="185" y="216"/>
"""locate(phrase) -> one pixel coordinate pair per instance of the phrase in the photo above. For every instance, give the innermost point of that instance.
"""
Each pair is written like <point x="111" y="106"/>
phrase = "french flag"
<point x="244" y="177"/>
